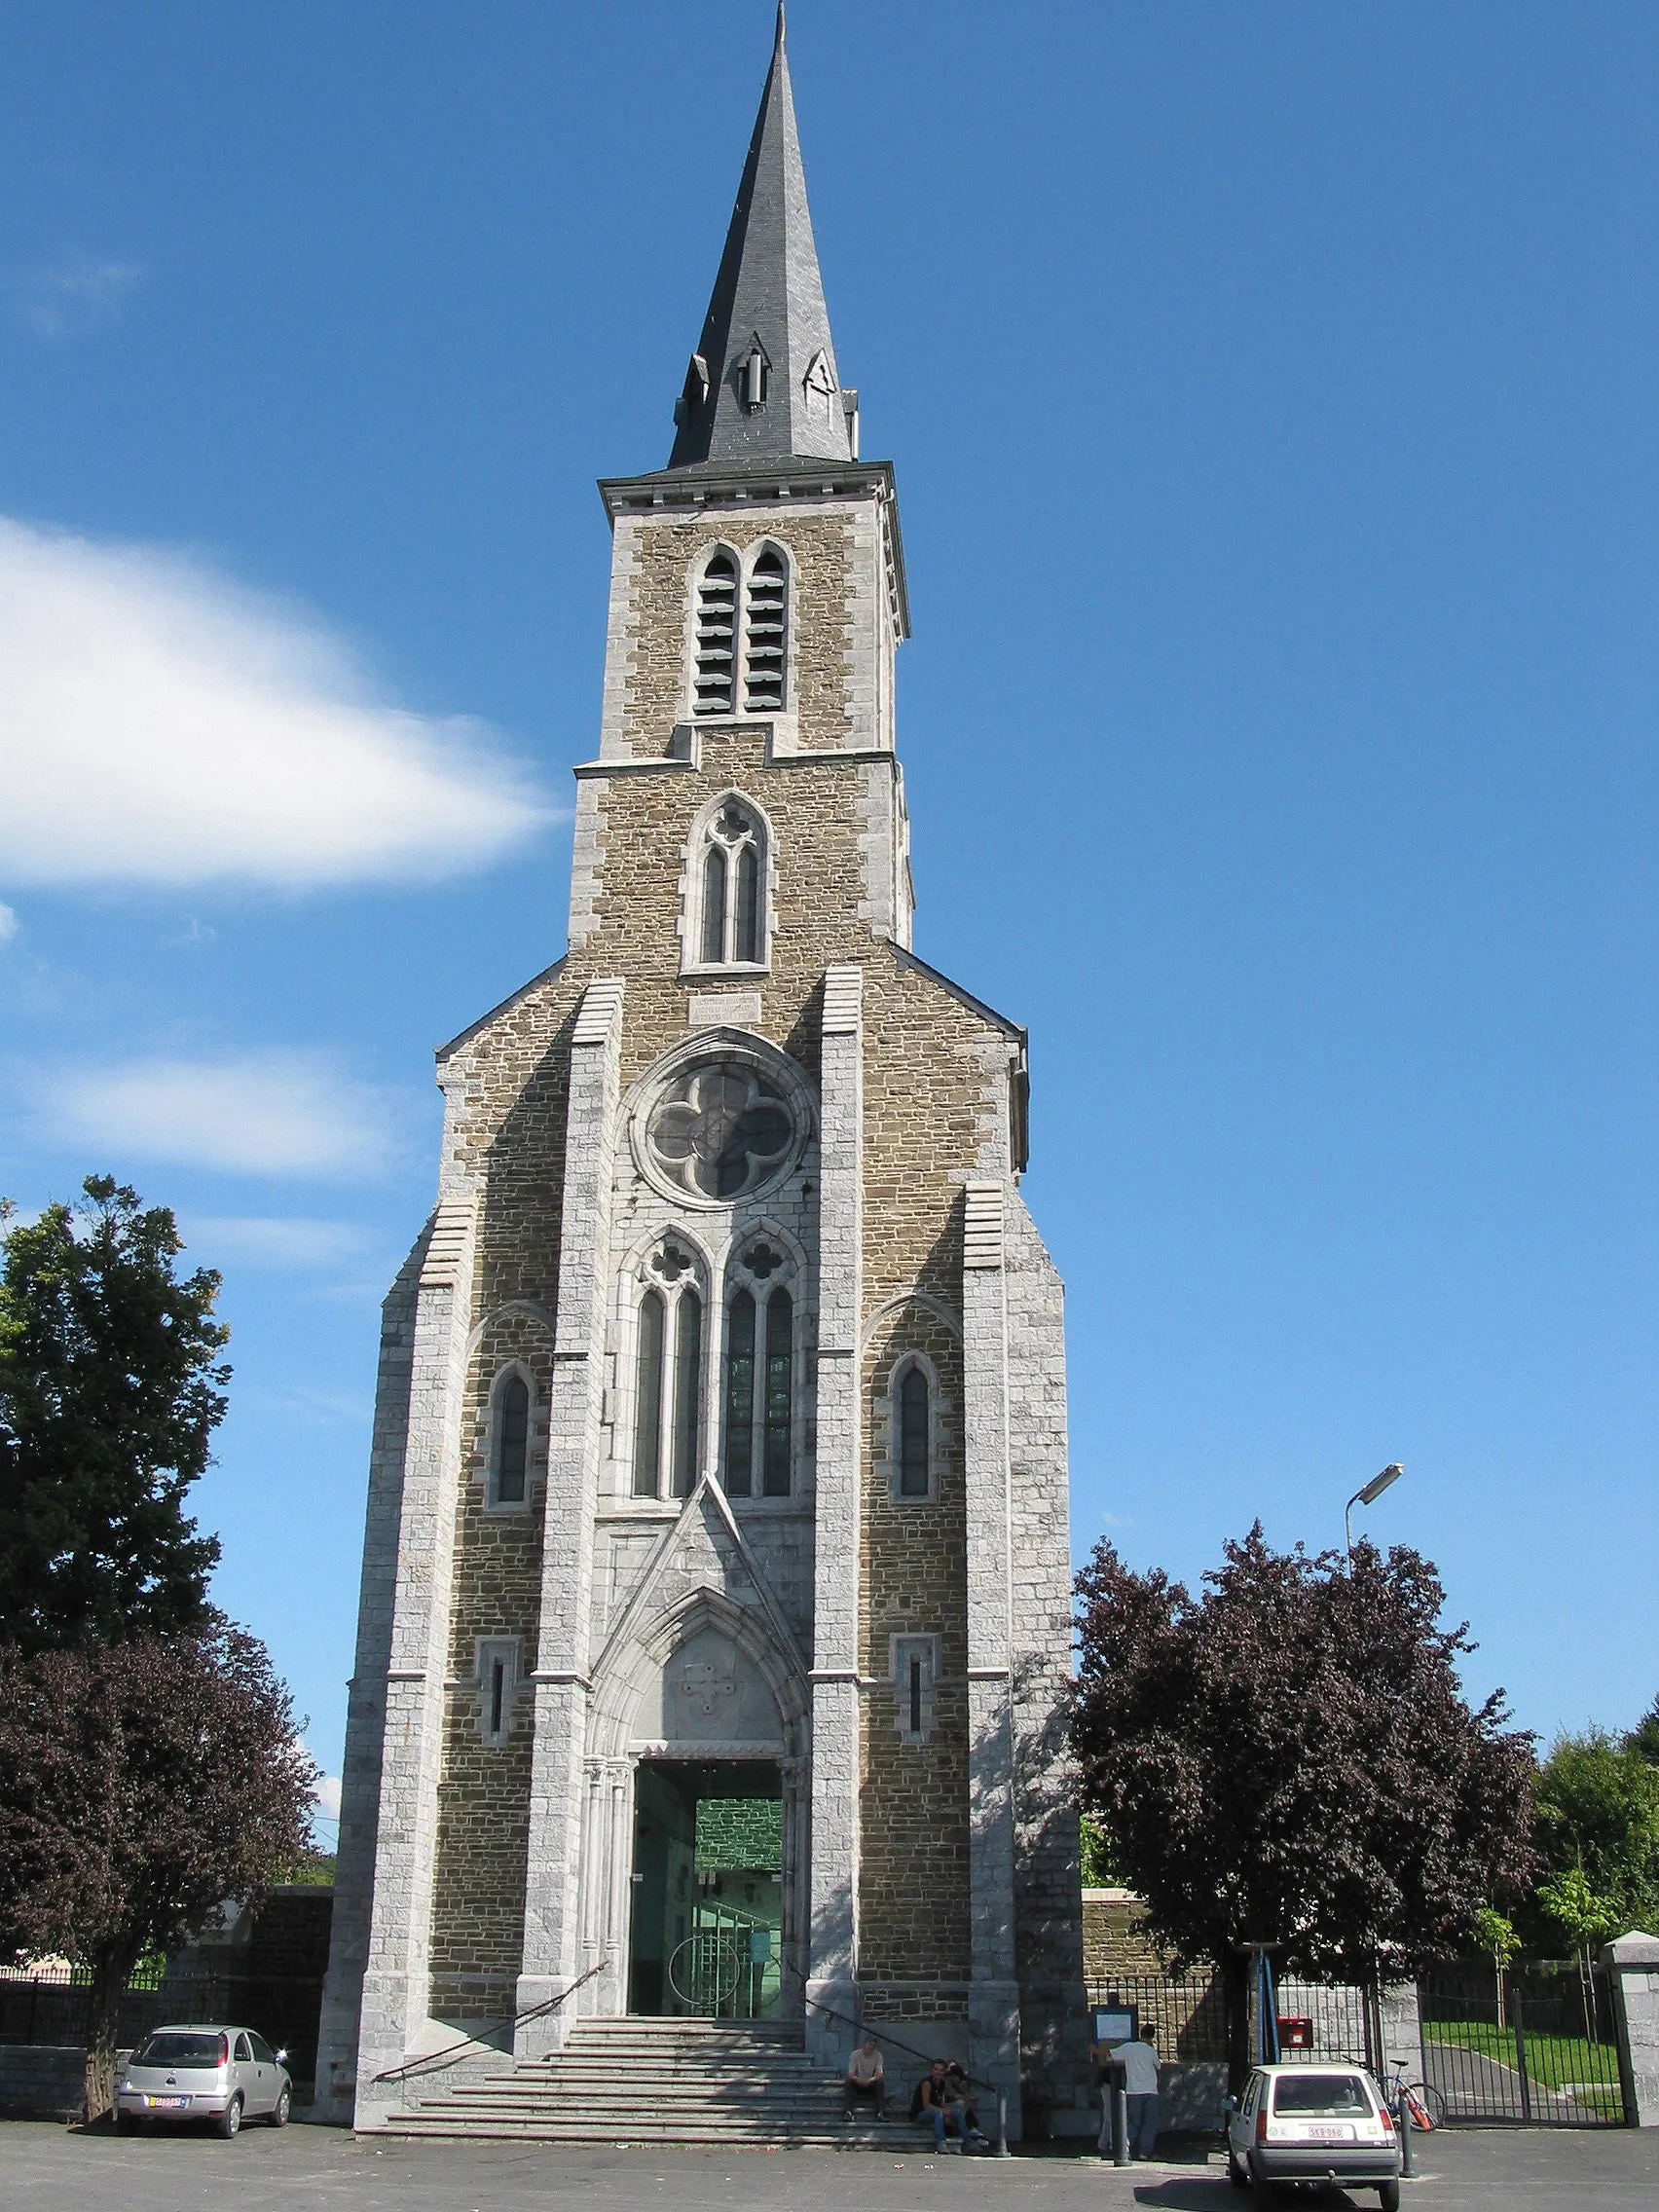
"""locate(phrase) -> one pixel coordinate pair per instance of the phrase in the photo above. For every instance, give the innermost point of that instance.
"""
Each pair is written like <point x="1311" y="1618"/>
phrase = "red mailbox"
<point x="1296" y="2034"/>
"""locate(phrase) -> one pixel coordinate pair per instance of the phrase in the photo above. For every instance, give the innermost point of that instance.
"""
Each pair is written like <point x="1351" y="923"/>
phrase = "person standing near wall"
<point x="1139" y="2062"/>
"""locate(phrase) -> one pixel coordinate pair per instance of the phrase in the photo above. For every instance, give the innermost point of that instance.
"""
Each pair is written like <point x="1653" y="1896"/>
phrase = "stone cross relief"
<point x="705" y="1682"/>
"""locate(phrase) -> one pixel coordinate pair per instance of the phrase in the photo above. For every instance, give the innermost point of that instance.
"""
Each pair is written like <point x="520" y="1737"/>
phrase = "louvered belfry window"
<point x="767" y="638"/>
<point x="716" y="636"/>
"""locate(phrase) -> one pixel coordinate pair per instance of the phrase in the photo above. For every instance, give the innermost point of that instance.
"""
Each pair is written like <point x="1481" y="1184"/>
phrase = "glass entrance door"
<point x="707" y="1919"/>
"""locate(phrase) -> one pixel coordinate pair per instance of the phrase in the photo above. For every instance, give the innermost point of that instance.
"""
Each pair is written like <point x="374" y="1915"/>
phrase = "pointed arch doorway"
<point x="695" y="1847"/>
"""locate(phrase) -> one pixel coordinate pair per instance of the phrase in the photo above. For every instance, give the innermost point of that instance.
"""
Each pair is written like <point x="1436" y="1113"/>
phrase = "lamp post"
<point x="1369" y="1496"/>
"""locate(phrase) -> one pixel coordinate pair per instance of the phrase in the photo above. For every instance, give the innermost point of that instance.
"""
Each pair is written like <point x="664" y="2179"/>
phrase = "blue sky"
<point x="1271" y="391"/>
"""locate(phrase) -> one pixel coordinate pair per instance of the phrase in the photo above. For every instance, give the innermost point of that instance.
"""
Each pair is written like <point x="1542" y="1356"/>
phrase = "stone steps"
<point x="657" y="2082"/>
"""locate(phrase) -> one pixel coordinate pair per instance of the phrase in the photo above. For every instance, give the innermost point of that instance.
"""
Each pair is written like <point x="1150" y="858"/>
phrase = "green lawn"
<point x="1553" y="2062"/>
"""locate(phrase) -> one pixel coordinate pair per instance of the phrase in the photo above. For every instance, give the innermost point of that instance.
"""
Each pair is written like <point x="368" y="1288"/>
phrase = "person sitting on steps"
<point x="959" y="2098"/>
<point x="864" y="2083"/>
<point x="930" y="2107"/>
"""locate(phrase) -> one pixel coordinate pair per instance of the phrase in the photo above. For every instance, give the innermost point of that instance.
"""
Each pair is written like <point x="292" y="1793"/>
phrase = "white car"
<point x="223" y="2075"/>
<point x="1322" y="2125"/>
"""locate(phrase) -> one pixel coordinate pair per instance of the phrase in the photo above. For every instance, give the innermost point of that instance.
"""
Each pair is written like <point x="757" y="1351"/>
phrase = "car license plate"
<point x="1331" y="2134"/>
<point x="167" y="2104"/>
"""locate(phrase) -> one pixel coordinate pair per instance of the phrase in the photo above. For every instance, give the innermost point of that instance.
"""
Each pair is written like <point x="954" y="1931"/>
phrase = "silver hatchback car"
<point x="196" y="2072"/>
<point x="1321" y="2124"/>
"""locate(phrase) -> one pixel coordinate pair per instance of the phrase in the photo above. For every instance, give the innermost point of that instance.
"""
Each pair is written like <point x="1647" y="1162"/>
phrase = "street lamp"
<point x="1369" y="1496"/>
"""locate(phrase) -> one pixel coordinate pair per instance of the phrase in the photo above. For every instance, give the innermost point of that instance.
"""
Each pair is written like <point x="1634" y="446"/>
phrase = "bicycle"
<point x="1416" y="2103"/>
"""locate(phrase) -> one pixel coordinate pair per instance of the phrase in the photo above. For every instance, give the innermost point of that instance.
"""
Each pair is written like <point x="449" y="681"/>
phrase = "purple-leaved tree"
<point x="1288" y="1758"/>
<point x="141" y="1784"/>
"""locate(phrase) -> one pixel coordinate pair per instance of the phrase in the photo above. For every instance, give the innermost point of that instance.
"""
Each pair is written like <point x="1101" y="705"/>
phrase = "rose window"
<point x="721" y="1132"/>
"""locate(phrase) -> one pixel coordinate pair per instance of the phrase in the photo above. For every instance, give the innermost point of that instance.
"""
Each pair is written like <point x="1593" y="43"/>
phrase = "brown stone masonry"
<point x="914" y="1873"/>
<point x="935" y="1112"/>
<point x="654" y="630"/>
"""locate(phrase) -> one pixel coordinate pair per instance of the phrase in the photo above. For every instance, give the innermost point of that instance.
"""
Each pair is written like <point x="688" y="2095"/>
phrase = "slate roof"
<point x="768" y="291"/>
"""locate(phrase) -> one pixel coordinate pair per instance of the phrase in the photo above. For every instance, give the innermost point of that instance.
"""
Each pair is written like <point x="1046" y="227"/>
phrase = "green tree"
<point x="1097" y="1853"/>
<point x="1595" y="1816"/>
<point x="141" y="1785"/>
<point x="1496" y="1935"/>
<point x="1288" y="1758"/>
<point x="1643" y="1738"/>
<point x="109" y="1396"/>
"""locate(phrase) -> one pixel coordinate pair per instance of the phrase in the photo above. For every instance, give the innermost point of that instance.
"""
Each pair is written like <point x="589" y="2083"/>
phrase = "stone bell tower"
<point x="715" y="1619"/>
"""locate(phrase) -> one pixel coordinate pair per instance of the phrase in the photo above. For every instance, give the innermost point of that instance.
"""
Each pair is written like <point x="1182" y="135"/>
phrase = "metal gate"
<point x="727" y="1967"/>
<point x="1541" y="2047"/>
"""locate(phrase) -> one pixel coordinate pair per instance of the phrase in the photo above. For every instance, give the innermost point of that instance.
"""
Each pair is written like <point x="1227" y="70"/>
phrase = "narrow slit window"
<point x="913" y="1435"/>
<point x="767" y="640"/>
<point x="739" y="1476"/>
<point x="746" y="932"/>
<point x="716" y="636"/>
<point x="780" y="1360"/>
<point x="512" y="1441"/>
<point x="915" y="1676"/>
<point x="648" y="1398"/>
<point x="498" y="1695"/>
<point x="687" y="1379"/>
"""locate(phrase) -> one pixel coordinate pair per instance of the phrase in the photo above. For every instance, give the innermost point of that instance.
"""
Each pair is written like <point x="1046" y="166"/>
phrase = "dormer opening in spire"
<point x="756" y="375"/>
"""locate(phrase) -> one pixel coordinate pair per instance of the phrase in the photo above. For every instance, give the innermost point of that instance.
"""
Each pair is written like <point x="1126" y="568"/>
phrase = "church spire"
<point x="762" y="384"/>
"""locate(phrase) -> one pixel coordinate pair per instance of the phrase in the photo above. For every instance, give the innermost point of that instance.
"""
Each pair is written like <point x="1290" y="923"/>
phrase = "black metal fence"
<point x="1541" y="2047"/>
<point x="1188" y="2011"/>
<point x="284" y="2008"/>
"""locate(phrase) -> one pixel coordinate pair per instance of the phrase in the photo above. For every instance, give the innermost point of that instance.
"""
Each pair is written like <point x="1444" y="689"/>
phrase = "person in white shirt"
<point x="1139" y="2062"/>
<point x="864" y="2080"/>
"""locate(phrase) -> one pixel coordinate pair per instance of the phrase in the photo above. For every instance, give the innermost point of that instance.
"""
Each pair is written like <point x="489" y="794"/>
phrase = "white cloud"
<point x="8" y="924"/>
<point x="328" y="1798"/>
<point x="79" y="296"/>
<point x="269" y="1113"/>
<point x="157" y="726"/>
<point x="260" y="1240"/>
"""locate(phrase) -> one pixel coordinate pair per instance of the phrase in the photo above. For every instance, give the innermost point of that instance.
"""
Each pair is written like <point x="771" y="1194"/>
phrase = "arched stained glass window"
<point x="913" y="1434"/>
<point x="746" y="922"/>
<point x="738" y="1461"/>
<point x="728" y="927"/>
<point x="757" y="1380"/>
<point x="714" y="904"/>
<point x="512" y="1440"/>
<point x="780" y="1361"/>
<point x="716" y="636"/>
<point x="688" y="1378"/>
<point x="647" y="1397"/>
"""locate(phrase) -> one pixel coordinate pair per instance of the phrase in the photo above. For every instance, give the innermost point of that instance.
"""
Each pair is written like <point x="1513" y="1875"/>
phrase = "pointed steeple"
<point x="762" y="384"/>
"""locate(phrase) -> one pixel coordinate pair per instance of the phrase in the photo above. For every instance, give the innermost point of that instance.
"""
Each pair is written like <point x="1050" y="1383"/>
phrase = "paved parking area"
<point x="47" y="2168"/>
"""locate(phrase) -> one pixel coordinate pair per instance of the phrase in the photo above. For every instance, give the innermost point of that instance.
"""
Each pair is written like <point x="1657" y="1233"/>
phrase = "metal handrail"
<point x="431" y="2060"/>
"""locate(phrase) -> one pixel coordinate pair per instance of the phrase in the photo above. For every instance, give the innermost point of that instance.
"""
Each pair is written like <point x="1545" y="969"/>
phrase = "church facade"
<point x="715" y="1614"/>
